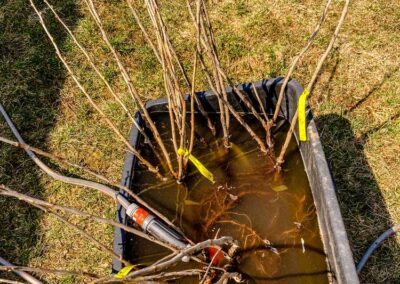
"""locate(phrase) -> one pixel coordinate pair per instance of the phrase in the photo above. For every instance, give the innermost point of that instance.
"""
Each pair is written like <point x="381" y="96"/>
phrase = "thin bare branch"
<point x="244" y="98"/>
<point x="298" y="58"/>
<point x="234" y="112"/>
<point x="186" y="252"/>
<point x="48" y="271"/>
<point x="143" y="29"/>
<point x="90" y="172"/>
<point x="99" y="245"/>
<point x="90" y="60"/>
<point x="170" y="260"/>
<point x="2" y="280"/>
<point x="55" y="175"/>
<point x="92" y="102"/>
<point x="177" y="60"/>
<point x="24" y="275"/>
<point x="169" y="276"/>
<point x="260" y="102"/>
<point x="310" y="86"/>
<point x="205" y="39"/>
<point x="269" y="141"/>
<point x="132" y="90"/>
<point x="5" y="191"/>
<point x="176" y="101"/>
<point x="192" y="95"/>
<point x="103" y="79"/>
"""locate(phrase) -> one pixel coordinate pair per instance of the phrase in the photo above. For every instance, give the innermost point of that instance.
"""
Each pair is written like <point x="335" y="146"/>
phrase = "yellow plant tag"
<point x="124" y="272"/>
<point x="200" y="167"/>
<point x="301" y="109"/>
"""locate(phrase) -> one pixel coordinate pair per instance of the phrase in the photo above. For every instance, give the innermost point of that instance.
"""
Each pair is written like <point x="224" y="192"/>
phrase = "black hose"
<point x="374" y="245"/>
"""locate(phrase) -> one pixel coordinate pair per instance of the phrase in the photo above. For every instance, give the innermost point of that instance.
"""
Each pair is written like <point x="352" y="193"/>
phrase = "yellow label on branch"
<point x="301" y="110"/>
<point x="200" y="167"/>
<point x="124" y="272"/>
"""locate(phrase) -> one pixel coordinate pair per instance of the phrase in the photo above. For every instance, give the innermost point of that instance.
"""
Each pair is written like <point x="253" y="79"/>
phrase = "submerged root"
<point x="218" y="210"/>
<point x="249" y="236"/>
<point x="222" y="202"/>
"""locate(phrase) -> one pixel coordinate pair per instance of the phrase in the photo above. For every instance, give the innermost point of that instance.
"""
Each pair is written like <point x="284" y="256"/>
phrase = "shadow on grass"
<point x="31" y="77"/>
<point x="386" y="77"/>
<point x="363" y="207"/>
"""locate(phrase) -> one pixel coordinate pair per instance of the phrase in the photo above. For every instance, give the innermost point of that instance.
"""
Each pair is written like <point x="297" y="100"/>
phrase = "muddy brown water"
<point x="272" y="216"/>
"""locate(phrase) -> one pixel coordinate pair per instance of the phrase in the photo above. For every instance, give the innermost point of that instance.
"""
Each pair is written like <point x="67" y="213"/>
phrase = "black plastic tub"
<point x="333" y="233"/>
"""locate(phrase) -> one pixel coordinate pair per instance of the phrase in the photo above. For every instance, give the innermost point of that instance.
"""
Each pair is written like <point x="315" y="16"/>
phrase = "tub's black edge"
<point x="336" y="241"/>
<point x="127" y="177"/>
<point x="330" y="220"/>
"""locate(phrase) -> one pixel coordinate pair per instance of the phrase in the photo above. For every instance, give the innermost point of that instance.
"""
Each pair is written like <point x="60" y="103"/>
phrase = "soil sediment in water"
<point x="271" y="215"/>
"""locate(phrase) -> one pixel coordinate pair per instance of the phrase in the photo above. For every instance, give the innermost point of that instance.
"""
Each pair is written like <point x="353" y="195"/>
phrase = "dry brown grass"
<point x="256" y="39"/>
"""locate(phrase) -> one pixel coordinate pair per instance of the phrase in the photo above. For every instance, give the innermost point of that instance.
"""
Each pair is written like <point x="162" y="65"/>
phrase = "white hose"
<point x="75" y="181"/>
<point x="157" y="229"/>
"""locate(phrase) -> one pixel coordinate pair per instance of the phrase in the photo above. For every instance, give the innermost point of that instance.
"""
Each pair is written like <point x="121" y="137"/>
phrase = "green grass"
<point x="257" y="39"/>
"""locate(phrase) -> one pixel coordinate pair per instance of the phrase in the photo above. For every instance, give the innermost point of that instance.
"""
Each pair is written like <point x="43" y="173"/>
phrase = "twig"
<point x="2" y="280"/>
<point x="92" y="102"/>
<point x="298" y="58"/>
<point x="233" y="111"/>
<point x="90" y="60"/>
<point x="244" y="98"/>
<point x="168" y="276"/>
<point x="180" y="65"/>
<point x="83" y="233"/>
<point x="186" y="252"/>
<point x="58" y="159"/>
<point x="132" y="90"/>
<point x="31" y="200"/>
<point x="310" y="86"/>
<point x="192" y="95"/>
<point x="176" y="102"/>
<point x="50" y="271"/>
<point x="92" y="64"/>
<point x="103" y="178"/>
<point x="229" y="275"/>
<point x="221" y="72"/>
<point x="260" y="102"/>
<point x="201" y="35"/>
<point x="24" y="275"/>
<point x="205" y="39"/>
<point x="144" y="31"/>
<point x="69" y="180"/>
<point x="270" y="143"/>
